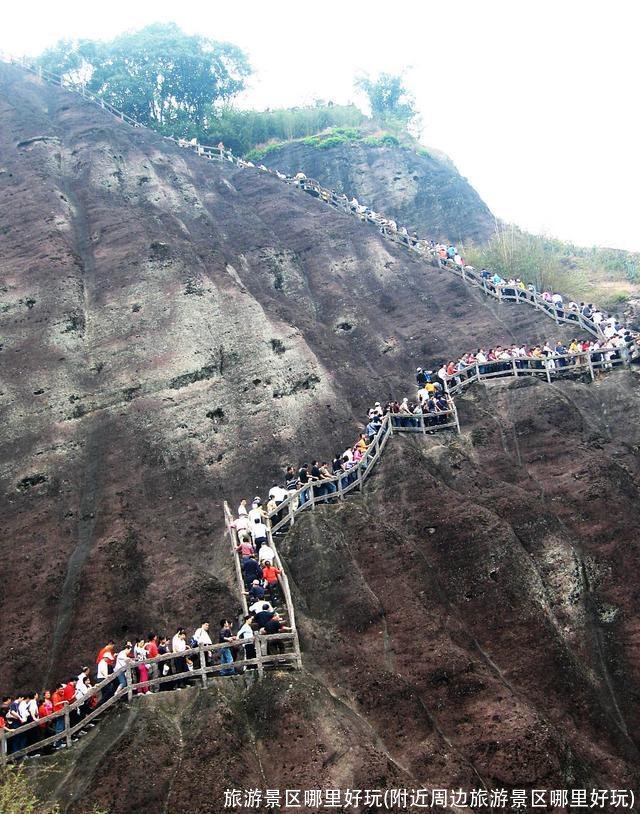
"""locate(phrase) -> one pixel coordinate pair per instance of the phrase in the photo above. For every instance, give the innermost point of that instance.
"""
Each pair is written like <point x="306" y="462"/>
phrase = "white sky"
<point x="535" y="102"/>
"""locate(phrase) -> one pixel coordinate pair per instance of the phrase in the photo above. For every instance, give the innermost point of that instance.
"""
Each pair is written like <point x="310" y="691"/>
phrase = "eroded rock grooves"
<point x="172" y="332"/>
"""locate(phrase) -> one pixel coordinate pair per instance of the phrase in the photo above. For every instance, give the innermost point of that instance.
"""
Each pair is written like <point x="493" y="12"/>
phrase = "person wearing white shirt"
<point x="201" y="636"/>
<point x="103" y="668"/>
<point x="178" y="646"/>
<point x="245" y="635"/>
<point x="82" y="675"/>
<point x="259" y="605"/>
<point x="32" y="706"/>
<point x="278" y="494"/>
<point x="123" y="659"/>
<point x="266" y="553"/>
<point x="258" y="532"/>
<point x="83" y="687"/>
<point x="241" y="525"/>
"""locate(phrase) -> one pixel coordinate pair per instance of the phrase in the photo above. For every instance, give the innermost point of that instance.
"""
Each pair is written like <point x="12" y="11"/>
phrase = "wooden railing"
<point x="338" y="486"/>
<point x="554" y="366"/>
<point x="282" y="580"/>
<point x="114" y="695"/>
<point x="421" y="247"/>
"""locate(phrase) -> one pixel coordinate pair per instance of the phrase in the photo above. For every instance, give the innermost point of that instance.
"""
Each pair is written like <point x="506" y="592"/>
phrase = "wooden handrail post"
<point x="3" y="748"/>
<point x="590" y="363"/>
<point x="128" y="676"/>
<point x="424" y="426"/>
<point x="203" y="664"/>
<point x="546" y="367"/>
<point x="290" y="510"/>
<point x="296" y="647"/>
<point x="67" y="724"/>
<point x="258" y="645"/>
<point x="513" y="365"/>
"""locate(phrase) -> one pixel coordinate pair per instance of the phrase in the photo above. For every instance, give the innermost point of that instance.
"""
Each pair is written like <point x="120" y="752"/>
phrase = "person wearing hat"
<point x="421" y="377"/>
<point x="256" y="511"/>
<point x="256" y="591"/>
<point x="405" y="413"/>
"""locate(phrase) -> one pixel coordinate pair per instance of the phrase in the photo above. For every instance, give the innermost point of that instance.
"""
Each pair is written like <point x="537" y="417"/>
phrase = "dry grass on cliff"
<point x="17" y="795"/>
<point x="606" y="276"/>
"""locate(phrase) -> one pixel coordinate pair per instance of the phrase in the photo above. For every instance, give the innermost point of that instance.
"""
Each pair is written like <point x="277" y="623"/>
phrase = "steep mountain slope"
<point x="423" y="192"/>
<point x="469" y="622"/>
<point x="173" y="332"/>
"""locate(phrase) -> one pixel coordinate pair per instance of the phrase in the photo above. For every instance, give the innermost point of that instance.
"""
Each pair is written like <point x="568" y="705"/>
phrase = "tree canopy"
<point x="389" y="100"/>
<point x="158" y="75"/>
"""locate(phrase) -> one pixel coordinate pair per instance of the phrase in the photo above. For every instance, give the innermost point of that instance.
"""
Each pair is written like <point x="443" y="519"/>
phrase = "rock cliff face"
<point x="422" y="192"/>
<point x="468" y="622"/>
<point x="172" y="332"/>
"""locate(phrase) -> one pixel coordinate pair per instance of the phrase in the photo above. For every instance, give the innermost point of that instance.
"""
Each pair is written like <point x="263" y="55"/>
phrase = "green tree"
<point x="158" y="75"/>
<point x="389" y="100"/>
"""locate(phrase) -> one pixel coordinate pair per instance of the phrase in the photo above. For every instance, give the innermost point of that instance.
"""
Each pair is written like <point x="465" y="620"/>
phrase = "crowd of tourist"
<point x="321" y="479"/>
<point x="607" y="326"/>
<point x="449" y="255"/>
<point x="95" y="685"/>
<point x="603" y="354"/>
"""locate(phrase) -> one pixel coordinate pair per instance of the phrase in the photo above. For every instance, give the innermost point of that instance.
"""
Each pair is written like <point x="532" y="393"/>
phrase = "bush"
<point x="16" y="796"/>
<point x="582" y="273"/>
<point x="249" y="132"/>
<point x="533" y="258"/>
<point x="386" y="140"/>
<point x="617" y="298"/>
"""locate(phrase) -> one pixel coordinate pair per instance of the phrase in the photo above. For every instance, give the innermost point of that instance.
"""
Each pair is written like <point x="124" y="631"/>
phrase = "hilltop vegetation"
<point x="185" y="86"/>
<point x="609" y="277"/>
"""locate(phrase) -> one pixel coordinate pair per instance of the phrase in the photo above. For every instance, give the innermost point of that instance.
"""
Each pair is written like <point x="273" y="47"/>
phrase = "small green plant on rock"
<point x="16" y="796"/>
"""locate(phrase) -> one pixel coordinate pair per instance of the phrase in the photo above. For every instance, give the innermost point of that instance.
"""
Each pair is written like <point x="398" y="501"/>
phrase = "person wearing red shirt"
<point x="45" y="709"/>
<point x="270" y="574"/>
<point x="69" y="693"/>
<point x="57" y="699"/>
<point x="152" y="649"/>
<point x="107" y="648"/>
